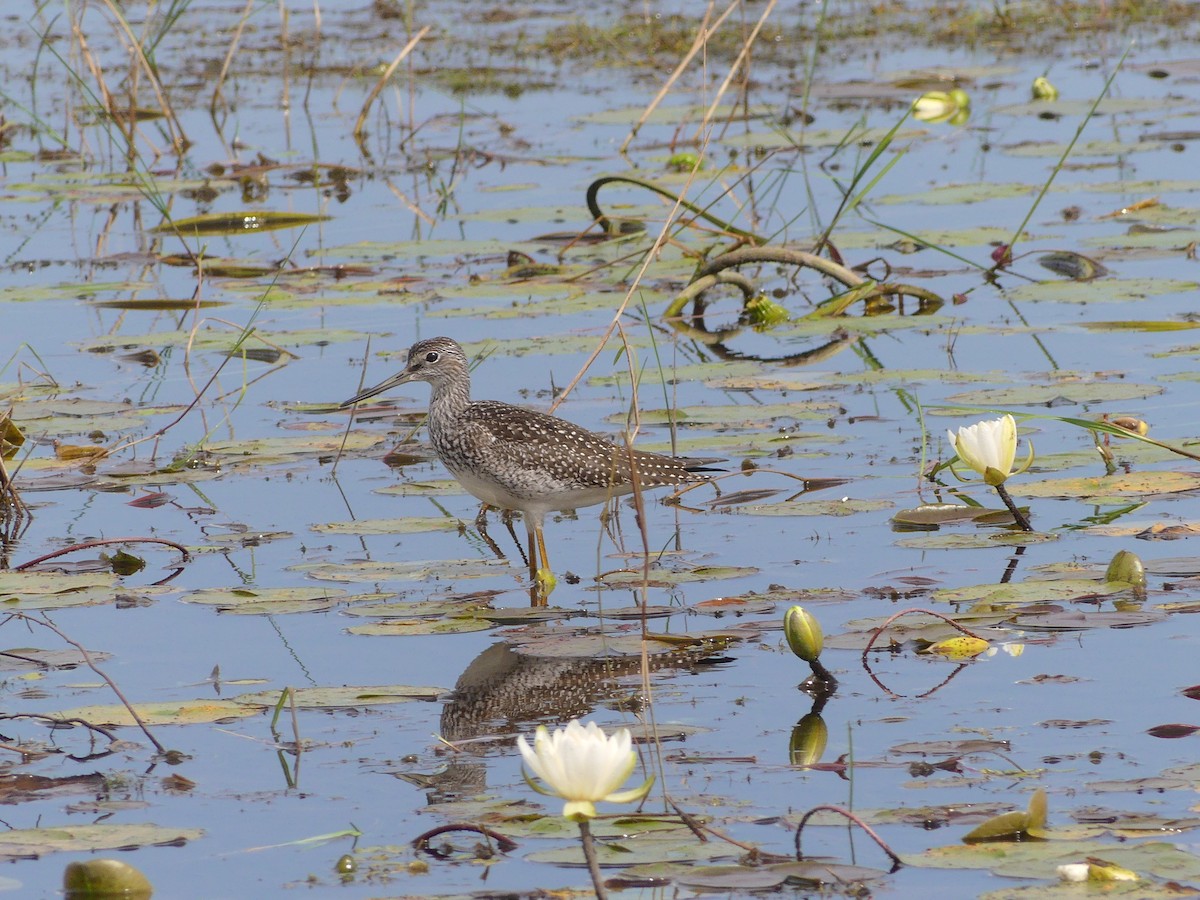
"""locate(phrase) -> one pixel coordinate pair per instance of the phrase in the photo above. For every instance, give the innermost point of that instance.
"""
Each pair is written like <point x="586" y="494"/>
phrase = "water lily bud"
<point x="803" y="633"/>
<point x="1127" y="567"/>
<point x="1130" y="423"/>
<point x="1043" y="89"/>
<point x="936" y="107"/>
<point x="808" y="741"/>
<point x="105" y="878"/>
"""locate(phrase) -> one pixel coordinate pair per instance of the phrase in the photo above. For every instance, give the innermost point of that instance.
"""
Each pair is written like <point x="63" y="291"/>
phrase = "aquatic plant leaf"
<point x="235" y="223"/>
<point x="660" y="576"/>
<point x="946" y="514"/>
<point x="348" y="697"/>
<point x="975" y="541"/>
<point x="410" y="627"/>
<point x="960" y="647"/>
<point x="1115" y="490"/>
<point x="1079" y="620"/>
<point x="731" y="878"/>
<point x="1175" y="730"/>
<point x="178" y="712"/>
<point x="1110" y="290"/>
<point x="1060" y="591"/>
<point x="1029" y="823"/>
<point x="845" y="507"/>
<point x="84" y="838"/>
<point x="260" y="601"/>
<point x="14" y="584"/>
<point x="1055" y="394"/>
<point x="402" y="570"/>
<point x="406" y="525"/>
<point x="414" y="609"/>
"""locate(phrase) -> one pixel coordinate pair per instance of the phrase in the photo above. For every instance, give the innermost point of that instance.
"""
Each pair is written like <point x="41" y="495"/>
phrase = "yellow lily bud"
<point x="803" y="633"/>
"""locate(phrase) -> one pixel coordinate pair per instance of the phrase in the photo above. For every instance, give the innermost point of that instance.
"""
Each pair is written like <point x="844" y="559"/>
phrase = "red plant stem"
<point x="102" y="542"/>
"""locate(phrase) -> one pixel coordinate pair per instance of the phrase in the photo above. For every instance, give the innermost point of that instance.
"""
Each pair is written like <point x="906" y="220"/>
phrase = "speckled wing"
<point x="568" y="454"/>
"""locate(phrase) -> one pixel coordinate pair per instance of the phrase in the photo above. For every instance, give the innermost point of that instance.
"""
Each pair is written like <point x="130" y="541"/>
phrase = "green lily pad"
<point x="179" y="712"/>
<point x="18" y="583"/>
<point x="404" y="570"/>
<point x="975" y="541"/>
<point x="266" y="601"/>
<point x="1038" y="395"/>
<point x="83" y="838"/>
<point x="1031" y="592"/>
<point x="352" y="697"/>
<point x="411" y="627"/>
<point x="407" y="525"/>
<point x="1117" y="489"/>
<point x="1110" y="290"/>
<point x="845" y="507"/>
<point x="235" y="223"/>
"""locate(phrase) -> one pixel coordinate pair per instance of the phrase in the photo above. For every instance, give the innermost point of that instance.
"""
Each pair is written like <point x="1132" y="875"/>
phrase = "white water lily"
<point x="582" y="765"/>
<point x="989" y="447"/>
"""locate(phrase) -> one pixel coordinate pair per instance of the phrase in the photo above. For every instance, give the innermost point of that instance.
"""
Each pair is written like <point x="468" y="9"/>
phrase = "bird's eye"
<point x="431" y="356"/>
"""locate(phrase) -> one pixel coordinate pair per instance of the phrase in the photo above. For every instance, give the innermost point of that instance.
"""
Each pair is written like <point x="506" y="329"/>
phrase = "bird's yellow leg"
<point x="545" y="579"/>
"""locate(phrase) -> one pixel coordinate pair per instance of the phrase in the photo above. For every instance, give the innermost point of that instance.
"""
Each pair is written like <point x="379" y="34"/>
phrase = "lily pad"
<point x="352" y="697"/>
<point x="1117" y="489"/>
<point x="26" y="843"/>
<point x="235" y="223"/>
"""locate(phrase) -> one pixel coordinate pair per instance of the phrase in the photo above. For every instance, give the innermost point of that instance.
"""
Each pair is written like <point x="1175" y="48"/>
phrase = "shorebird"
<point x="519" y="459"/>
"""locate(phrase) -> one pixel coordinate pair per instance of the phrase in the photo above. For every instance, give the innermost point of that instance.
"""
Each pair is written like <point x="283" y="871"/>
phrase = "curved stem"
<point x="896" y="863"/>
<point x="606" y="223"/>
<point x="87" y="545"/>
<point x="503" y="843"/>
<point x="784" y="255"/>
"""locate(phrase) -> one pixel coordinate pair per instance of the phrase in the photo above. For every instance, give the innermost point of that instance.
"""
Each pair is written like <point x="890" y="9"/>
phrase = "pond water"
<point x="458" y="210"/>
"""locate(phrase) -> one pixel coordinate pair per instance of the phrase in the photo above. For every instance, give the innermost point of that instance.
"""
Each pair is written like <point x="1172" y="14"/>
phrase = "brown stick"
<point x="87" y="658"/>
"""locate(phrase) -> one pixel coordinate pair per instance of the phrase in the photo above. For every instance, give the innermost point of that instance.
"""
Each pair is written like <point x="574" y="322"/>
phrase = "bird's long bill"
<point x="397" y="379"/>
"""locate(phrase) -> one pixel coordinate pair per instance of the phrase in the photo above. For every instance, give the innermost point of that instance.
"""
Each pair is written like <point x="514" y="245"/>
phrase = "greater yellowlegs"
<point x="518" y="459"/>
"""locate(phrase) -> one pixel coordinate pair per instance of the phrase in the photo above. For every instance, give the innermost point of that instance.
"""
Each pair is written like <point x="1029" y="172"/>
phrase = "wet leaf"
<point x="83" y="838"/>
<point x="410" y="525"/>
<point x="1056" y="394"/>
<point x="352" y="697"/>
<point x="843" y="507"/>
<point x="268" y="601"/>
<point x="403" y="570"/>
<point x="1172" y="731"/>
<point x="235" y="223"/>
<point x="1030" y="823"/>
<point x="1115" y="490"/>
<point x="960" y="647"/>
<point x="731" y="878"/>
<point x="179" y="712"/>
<point x="420" y="627"/>
<point x="946" y="514"/>
<point x="15" y="584"/>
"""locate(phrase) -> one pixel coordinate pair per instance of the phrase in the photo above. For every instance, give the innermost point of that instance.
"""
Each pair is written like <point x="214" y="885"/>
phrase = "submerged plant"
<point x="989" y="447"/>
